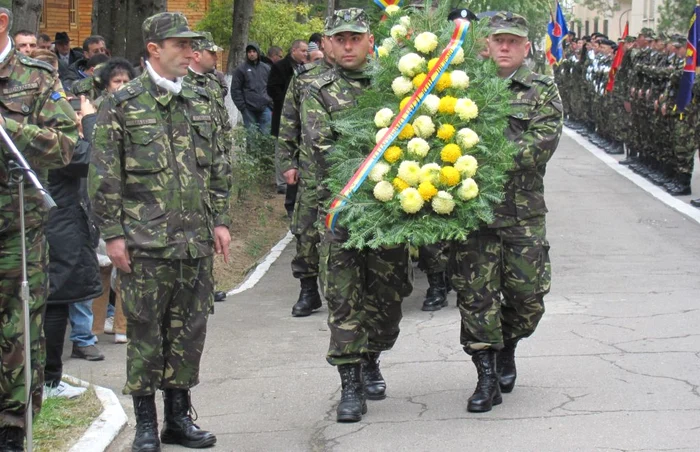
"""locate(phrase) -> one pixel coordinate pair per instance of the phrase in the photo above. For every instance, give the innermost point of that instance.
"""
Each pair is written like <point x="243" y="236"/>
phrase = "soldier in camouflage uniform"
<point x="364" y="288"/>
<point x="432" y="259"/>
<point x="91" y="86"/>
<point x="297" y="167"/>
<point x="43" y="127"/>
<point x="159" y="185"/>
<point x="502" y="271"/>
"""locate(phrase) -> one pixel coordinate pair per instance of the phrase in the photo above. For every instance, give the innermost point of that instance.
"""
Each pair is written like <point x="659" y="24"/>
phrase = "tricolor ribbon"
<point x="384" y="3"/>
<point x="461" y="27"/>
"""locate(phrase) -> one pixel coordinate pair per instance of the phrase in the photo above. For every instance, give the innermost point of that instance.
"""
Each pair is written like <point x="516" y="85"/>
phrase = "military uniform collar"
<point x="523" y="76"/>
<point x="359" y="74"/>
<point x="161" y="95"/>
<point x="8" y="64"/>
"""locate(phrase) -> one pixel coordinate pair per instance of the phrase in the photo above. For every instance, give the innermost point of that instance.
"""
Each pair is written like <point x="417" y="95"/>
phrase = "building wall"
<point x="639" y="13"/>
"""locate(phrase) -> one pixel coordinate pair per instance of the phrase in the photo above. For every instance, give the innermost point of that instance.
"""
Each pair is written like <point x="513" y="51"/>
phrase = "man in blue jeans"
<point x="80" y="315"/>
<point x="249" y="91"/>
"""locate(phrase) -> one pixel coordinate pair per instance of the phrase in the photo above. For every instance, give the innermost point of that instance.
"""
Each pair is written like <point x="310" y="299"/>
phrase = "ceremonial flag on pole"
<point x="618" y="59"/>
<point x="556" y="30"/>
<point x="685" y="93"/>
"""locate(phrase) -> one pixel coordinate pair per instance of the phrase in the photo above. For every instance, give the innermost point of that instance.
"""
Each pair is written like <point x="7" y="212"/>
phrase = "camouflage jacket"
<point x="86" y="87"/>
<point x="42" y="125"/>
<point x="535" y="124"/>
<point x="290" y="124"/>
<point x="157" y="177"/>
<point x="327" y="97"/>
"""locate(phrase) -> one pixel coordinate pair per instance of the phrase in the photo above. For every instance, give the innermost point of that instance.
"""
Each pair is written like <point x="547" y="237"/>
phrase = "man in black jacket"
<point x="92" y="46"/>
<point x="249" y="91"/>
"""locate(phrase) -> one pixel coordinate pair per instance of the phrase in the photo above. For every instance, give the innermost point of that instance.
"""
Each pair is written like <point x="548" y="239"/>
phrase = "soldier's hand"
<point x="222" y="240"/>
<point x="291" y="176"/>
<point x="664" y="110"/>
<point x="86" y="107"/>
<point x="118" y="254"/>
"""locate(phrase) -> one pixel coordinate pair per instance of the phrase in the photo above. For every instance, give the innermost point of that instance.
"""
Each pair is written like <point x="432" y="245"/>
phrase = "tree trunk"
<point x="119" y="22"/>
<point x="242" y="16"/>
<point x="331" y="8"/>
<point x="26" y="15"/>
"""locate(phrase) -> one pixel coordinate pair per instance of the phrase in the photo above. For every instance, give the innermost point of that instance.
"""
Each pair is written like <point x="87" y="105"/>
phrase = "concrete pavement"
<point x="614" y="365"/>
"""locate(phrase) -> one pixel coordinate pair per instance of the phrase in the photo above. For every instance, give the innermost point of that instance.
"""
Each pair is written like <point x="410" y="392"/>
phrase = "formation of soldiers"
<point x="636" y="113"/>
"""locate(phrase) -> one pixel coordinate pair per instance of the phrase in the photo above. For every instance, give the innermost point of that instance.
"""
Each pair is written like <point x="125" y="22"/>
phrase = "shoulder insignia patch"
<point x="56" y="95"/>
<point x="35" y="63"/>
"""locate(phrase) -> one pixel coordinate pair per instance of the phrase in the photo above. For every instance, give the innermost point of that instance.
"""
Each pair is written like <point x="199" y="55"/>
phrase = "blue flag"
<point x="685" y="93"/>
<point x="556" y="30"/>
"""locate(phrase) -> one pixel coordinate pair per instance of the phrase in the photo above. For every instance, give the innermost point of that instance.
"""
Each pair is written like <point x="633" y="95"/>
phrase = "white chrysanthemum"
<point x="389" y="44"/>
<point x="402" y="86"/>
<point x="383" y="191"/>
<point x="443" y="203"/>
<point x="379" y="170"/>
<point x="380" y="134"/>
<point x="419" y="147"/>
<point x="430" y="172"/>
<point x="467" y="165"/>
<point x="398" y="32"/>
<point x="431" y="104"/>
<point x="411" y="200"/>
<point x="467" y="138"/>
<point x="458" y="58"/>
<point x="392" y="9"/>
<point x="409" y="171"/>
<point x="426" y="42"/>
<point x="405" y="21"/>
<point x="424" y="126"/>
<point x="382" y="52"/>
<point x="460" y="80"/>
<point x="466" y="109"/>
<point x="468" y="190"/>
<point x="411" y="64"/>
<point x="383" y="118"/>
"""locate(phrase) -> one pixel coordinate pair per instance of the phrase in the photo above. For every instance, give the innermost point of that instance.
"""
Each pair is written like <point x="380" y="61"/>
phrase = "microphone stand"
<point x="22" y="169"/>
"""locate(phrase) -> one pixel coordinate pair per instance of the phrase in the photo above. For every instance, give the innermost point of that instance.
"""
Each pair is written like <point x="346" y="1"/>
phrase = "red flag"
<point x="618" y="59"/>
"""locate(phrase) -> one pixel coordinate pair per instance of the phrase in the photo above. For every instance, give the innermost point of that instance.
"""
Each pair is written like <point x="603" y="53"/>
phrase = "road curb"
<point x="108" y="424"/>
<point x="263" y="266"/>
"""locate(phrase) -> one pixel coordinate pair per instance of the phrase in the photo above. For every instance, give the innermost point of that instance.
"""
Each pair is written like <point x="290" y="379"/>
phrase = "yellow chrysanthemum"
<point x="418" y="147"/>
<point x="409" y="171"/>
<point x="382" y="51"/>
<point x="392" y="9"/>
<point x="399" y="184"/>
<point x="467" y="138"/>
<point x="466" y="109"/>
<point x="393" y="154"/>
<point x="383" y="117"/>
<point x="426" y="42"/>
<point x="450" y="153"/>
<point x="407" y="132"/>
<point x="466" y="165"/>
<point x="449" y="176"/>
<point x="398" y="32"/>
<point x="432" y="63"/>
<point x="447" y="105"/>
<point x="443" y="203"/>
<point x="430" y="172"/>
<point x="468" y="190"/>
<point x="431" y="104"/>
<point x="446" y="132"/>
<point x="424" y="126"/>
<point x="419" y="79"/>
<point x="383" y="191"/>
<point x="427" y="190"/>
<point x="411" y="64"/>
<point x="444" y="82"/>
<point x="411" y="201"/>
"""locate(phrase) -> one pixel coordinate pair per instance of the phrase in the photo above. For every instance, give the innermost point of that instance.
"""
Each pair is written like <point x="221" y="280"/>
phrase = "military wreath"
<point x="444" y="171"/>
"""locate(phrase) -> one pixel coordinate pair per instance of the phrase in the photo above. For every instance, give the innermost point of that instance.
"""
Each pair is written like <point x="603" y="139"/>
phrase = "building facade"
<point x="639" y="13"/>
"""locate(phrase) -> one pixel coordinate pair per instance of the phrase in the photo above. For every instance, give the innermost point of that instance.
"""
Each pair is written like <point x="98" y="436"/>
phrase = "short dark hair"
<point x="44" y="37"/>
<point x="296" y="44"/>
<point x="113" y="67"/>
<point x="316" y="37"/>
<point x="96" y="60"/>
<point x="94" y="39"/>
<point x="23" y="33"/>
<point x="273" y="50"/>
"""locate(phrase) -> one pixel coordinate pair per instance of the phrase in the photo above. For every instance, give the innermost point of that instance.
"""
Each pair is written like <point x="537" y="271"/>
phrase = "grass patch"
<point x="61" y="422"/>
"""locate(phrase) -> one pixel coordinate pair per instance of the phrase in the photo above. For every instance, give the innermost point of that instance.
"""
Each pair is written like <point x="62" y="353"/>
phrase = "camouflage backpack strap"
<point x="323" y="80"/>
<point x="35" y="63"/>
<point x="129" y="91"/>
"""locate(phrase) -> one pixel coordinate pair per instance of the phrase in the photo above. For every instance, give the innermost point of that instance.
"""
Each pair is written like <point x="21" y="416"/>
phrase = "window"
<point x="605" y="27"/>
<point x="579" y="31"/>
<point x="73" y="14"/>
<point x="588" y="28"/>
<point x="42" y="19"/>
<point x="595" y="25"/>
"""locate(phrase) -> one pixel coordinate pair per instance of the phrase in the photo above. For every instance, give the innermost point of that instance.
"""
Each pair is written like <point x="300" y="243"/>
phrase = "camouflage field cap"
<point x="167" y="25"/>
<point x="508" y="23"/>
<point x="206" y="43"/>
<point x="352" y="19"/>
<point x="630" y="38"/>
<point x="647" y="33"/>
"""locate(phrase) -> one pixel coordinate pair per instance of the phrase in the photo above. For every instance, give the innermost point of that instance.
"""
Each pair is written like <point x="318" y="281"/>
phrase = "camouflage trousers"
<point x="12" y="391"/>
<point x="305" y="261"/>
<point x="166" y="304"/>
<point x="684" y="145"/>
<point x="433" y="258"/>
<point x="364" y="290"/>
<point x="501" y="276"/>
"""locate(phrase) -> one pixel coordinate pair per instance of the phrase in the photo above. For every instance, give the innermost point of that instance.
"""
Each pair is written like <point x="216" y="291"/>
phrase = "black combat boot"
<point x="505" y="364"/>
<point x="11" y="439"/>
<point x="352" y="397"/>
<point x="178" y="427"/>
<point x="146" y="438"/>
<point x="682" y="186"/>
<point x="695" y="202"/>
<point x="487" y="392"/>
<point x="436" y="296"/>
<point x="375" y="386"/>
<point x="309" y="298"/>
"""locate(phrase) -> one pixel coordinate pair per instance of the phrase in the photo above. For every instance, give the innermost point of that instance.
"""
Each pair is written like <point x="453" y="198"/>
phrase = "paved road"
<point x="614" y="365"/>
